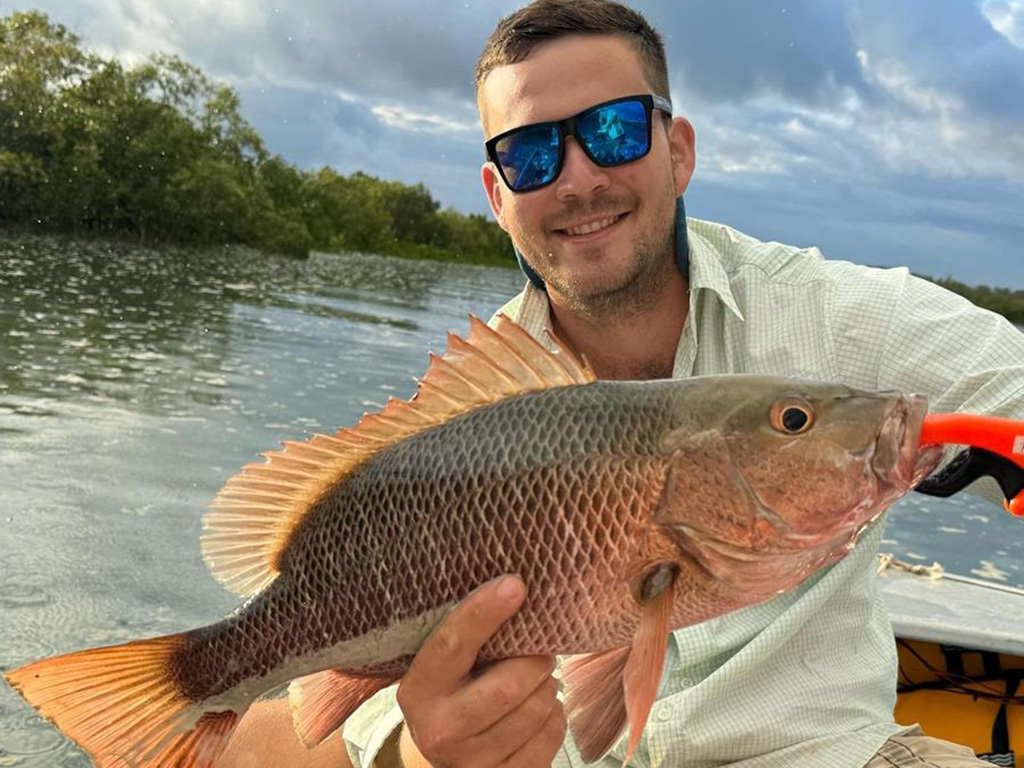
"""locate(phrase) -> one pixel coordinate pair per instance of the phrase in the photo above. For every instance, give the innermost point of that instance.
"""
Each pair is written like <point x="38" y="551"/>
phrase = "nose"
<point x="579" y="177"/>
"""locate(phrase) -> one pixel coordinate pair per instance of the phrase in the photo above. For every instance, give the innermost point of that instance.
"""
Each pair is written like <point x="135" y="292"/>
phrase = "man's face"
<point x="604" y="271"/>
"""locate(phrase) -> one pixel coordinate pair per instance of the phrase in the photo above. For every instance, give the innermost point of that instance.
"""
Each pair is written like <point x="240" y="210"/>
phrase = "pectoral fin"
<point x="647" y="658"/>
<point x="608" y="690"/>
<point x="595" y="704"/>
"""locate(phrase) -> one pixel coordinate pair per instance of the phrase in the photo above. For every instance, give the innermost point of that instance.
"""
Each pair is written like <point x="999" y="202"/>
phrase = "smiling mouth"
<point x="592" y="227"/>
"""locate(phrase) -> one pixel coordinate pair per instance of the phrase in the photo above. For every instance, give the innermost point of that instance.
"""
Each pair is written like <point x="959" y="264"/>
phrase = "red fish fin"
<point x="647" y="657"/>
<point x="321" y="703"/>
<point x="595" y="703"/>
<point x="199" y="748"/>
<point x="253" y="517"/>
<point x="121" y="704"/>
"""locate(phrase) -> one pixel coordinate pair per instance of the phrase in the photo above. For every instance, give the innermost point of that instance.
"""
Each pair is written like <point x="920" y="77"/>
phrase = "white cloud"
<point x="732" y="142"/>
<point x="751" y="164"/>
<point x="399" y="117"/>
<point x="934" y="132"/>
<point x="796" y="128"/>
<point x="1006" y="18"/>
<point x="897" y="79"/>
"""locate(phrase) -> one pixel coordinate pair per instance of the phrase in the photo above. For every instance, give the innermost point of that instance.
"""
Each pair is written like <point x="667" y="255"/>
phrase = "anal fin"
<point x="201" y="747"/>
<point x="321" y="703"/>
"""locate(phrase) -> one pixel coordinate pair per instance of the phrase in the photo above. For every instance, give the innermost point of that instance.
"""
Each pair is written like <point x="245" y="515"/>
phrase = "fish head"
<point x="772" y="479"/>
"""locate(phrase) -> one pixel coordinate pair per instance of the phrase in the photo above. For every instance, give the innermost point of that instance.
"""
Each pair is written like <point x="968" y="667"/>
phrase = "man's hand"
<point x="506" y="716"/>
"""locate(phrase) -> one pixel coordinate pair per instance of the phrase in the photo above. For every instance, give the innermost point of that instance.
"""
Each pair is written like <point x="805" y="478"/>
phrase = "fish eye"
<point x="791" y="416"/>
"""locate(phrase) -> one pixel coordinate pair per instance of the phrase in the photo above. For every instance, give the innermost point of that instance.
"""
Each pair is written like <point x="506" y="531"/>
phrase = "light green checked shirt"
<point x="808" y="679"/>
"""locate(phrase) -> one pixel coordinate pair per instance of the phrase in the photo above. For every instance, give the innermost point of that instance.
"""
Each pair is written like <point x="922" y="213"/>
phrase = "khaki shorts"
<point x="915" y="750"/>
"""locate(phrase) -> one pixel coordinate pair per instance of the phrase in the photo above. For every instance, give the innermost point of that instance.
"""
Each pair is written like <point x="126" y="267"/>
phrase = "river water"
<point x="134" y="382"/>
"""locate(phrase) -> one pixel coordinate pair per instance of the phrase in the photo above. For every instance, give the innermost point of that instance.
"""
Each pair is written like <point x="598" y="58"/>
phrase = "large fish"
<point x="629" y="509"/>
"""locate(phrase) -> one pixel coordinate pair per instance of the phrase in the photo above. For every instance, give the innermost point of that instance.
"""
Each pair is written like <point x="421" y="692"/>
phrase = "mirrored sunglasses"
<point x="611" y="133"/>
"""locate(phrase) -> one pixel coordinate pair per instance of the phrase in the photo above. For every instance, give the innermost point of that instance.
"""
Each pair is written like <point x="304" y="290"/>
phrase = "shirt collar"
<point x="708" y="272"/>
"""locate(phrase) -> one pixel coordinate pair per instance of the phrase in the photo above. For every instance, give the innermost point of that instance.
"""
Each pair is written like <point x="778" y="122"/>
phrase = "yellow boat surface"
<point x="961" y="658"/>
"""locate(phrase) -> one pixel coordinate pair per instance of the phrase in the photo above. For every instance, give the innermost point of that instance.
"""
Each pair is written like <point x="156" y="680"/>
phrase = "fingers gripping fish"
<point x="628" y="508"/>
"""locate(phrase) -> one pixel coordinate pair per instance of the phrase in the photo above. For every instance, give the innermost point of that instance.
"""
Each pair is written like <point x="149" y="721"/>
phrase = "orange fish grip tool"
<point x="996" y="449"/>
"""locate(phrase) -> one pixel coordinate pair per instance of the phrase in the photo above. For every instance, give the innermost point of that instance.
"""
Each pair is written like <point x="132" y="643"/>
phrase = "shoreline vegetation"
<point x="158" y="153"/>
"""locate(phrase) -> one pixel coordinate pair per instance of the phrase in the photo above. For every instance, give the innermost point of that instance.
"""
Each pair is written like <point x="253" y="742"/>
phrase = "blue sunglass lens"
<point x="529" y="158"/>
<point x="612" y="135"/>
<point x="616" y="133"/>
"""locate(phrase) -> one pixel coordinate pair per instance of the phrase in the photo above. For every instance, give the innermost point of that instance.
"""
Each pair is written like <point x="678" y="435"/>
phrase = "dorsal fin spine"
<point x="440" y="393"/>
<point x="526" y="364"/>
<point x="521" y="358"/>
<point x="268" y="482"/>
<point x="280" y="468"/>
<point x="298" y="458"/>
<point x="489" y="362"/>
<point x="453" y="371"/>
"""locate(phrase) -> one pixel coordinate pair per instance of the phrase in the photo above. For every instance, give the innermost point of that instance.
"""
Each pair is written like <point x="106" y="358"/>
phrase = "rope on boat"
<point x="887" y="560"/>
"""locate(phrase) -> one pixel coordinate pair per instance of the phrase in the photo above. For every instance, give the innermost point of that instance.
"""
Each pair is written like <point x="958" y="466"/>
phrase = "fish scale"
<point x="443" y="505"/>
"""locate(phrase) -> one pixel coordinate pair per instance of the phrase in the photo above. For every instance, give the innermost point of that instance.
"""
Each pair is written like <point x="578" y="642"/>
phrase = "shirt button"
<point x="664" y="713"/>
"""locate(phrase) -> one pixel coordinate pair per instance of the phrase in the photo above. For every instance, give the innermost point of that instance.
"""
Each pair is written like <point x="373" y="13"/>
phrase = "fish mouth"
<point x="899" y="461"/>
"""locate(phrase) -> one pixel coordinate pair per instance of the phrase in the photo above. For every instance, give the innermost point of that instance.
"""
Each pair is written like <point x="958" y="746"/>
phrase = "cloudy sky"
<point x="882" y="132"/>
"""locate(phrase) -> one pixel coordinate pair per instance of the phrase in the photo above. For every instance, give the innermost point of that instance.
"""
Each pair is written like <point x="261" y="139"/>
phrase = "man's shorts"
<point x="915" y="750"/>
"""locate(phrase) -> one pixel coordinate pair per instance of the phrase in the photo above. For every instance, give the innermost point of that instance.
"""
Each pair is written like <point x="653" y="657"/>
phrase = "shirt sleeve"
<point x="964" y="357"/>
<point x="370" y="725"/>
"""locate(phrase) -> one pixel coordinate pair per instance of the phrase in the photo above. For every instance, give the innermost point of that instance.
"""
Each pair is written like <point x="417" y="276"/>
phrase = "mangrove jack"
<point x="628" y="508"/>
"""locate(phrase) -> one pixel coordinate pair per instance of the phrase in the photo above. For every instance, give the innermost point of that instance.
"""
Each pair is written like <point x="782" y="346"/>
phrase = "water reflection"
<point x="153" y="329"/>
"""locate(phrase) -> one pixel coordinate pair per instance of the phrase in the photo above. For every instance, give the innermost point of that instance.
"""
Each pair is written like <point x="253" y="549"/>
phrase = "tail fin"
<point x="121" y="704"/>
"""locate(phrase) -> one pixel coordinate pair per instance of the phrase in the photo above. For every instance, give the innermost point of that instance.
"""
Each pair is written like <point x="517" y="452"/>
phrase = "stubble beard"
<point x="652" y="261"/>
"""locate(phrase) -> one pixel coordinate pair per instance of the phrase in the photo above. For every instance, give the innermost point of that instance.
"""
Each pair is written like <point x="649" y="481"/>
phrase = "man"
<point x="595" y="213"/>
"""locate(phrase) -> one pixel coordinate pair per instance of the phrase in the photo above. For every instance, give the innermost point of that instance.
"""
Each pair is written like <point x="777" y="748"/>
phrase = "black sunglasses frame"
<point x="567" y="127"/>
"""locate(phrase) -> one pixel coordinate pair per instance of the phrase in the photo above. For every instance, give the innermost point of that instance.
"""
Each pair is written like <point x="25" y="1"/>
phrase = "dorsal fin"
<point x="252" y="518"/>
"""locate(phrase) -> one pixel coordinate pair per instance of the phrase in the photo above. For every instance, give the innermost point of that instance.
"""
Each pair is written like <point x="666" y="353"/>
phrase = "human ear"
<point x="493" y="188"/>
<point x="682" y="149"/>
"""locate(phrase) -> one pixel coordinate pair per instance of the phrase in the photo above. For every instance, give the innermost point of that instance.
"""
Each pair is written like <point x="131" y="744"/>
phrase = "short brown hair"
<point x="519" y="33"/>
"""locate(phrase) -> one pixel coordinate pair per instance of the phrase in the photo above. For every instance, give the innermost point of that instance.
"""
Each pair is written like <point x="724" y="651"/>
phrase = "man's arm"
<point x="967" y="358"/>
<point x="915" y="336"/>
<point x="265" y="737"/>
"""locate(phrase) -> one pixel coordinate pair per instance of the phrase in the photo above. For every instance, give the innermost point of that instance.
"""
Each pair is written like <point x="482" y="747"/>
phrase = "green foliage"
<point x="160" y="152"/>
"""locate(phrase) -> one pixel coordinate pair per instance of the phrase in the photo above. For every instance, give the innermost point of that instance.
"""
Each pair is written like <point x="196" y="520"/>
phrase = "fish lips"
<point x="899" y="461"/>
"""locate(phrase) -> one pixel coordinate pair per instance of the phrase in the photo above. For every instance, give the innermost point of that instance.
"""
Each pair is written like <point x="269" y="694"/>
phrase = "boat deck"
<point x="955" y="610"/>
